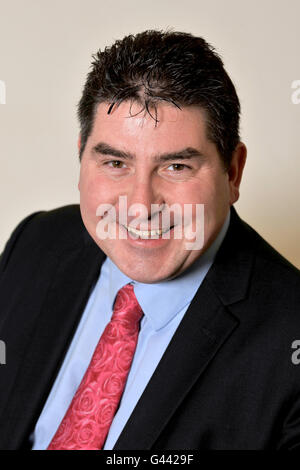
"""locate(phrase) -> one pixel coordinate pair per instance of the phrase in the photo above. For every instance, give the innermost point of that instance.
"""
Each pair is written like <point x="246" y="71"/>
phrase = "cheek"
<point x="217" y="190"/>
<point x="202" y="191"/>
<point x="94" y="191"/>
<point x="213" y="193"/>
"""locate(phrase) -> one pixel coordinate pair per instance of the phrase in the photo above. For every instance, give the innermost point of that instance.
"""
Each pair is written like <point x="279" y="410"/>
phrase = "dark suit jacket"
<point x="226" y="381"/>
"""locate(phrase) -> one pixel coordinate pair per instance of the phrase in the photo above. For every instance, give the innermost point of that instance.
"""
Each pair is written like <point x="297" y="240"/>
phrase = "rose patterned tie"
<point x="87" y="421"/>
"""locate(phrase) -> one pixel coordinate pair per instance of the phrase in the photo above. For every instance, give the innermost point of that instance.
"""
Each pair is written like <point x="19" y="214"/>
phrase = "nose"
<point x="144" y="196"/>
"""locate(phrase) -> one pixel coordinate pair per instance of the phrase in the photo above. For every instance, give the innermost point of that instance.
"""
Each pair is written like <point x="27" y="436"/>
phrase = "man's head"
<point x="173" y="67"/>
<point x="159" y="123"/>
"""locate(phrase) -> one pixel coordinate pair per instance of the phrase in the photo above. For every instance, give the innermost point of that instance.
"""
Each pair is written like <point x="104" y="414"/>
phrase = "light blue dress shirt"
<point x="164" y="305"/>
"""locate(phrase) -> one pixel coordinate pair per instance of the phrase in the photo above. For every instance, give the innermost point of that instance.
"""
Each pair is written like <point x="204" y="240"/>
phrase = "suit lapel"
<point x="203" y="330"/>
<point x="76" y="271"/>
<point x="206" y="326"/>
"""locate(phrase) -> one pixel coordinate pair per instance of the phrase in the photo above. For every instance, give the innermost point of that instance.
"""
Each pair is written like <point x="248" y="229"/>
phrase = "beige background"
<point x="45" y="52"/>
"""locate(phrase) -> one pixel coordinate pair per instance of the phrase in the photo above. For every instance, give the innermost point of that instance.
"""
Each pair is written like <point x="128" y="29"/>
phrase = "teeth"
<point x="146" y="233"/>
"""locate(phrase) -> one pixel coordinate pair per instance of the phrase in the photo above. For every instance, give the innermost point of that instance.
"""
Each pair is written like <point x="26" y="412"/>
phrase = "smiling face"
<point x="170" y="163"/>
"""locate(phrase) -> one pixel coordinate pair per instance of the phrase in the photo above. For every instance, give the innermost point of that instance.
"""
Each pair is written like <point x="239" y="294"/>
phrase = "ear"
<point x="235" y="171"/>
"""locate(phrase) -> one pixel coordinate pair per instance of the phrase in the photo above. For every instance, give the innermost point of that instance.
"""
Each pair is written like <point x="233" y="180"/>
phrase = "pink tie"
<point x="90" y="414"/>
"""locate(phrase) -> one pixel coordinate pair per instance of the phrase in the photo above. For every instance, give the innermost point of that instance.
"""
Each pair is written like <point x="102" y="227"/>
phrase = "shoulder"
<point x="267" y="258"/>
<point x="272" y="270"/>
<point x="42" y="231"/>
<point x="251" y="274"/>
<point x="271" y="283"/>
<point x="59" y="224"/>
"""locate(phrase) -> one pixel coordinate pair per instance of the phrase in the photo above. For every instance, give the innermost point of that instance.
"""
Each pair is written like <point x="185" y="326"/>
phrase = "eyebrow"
<point x="184" y="154"/>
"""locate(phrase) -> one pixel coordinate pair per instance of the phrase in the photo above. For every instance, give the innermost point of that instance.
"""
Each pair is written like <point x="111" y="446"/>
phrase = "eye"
<point x="115" y="164"/>
<point x="178" y="166"/>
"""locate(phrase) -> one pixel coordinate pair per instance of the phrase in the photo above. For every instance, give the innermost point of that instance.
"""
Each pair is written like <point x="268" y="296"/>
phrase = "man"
<point x="211" y="363"/>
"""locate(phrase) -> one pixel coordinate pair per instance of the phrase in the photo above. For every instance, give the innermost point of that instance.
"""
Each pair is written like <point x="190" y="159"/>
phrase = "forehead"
<point x="128" y="125"/>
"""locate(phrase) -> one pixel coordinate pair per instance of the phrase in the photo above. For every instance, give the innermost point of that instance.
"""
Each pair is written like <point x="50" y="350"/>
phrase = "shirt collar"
<point x="163" y="300"/>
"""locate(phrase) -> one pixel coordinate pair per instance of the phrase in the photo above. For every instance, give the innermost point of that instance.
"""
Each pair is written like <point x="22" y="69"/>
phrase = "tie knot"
<point x="126" y="307"/>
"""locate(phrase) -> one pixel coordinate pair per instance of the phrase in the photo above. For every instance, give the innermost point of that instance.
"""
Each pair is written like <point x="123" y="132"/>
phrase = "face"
<point x="172" y="162"/>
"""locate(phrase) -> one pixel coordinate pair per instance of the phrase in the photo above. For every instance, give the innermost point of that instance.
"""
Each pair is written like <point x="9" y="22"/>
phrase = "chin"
<point x="141" y="275"/>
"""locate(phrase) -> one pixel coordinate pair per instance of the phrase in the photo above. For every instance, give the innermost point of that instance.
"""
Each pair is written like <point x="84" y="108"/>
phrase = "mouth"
<point x="147" y="234"/>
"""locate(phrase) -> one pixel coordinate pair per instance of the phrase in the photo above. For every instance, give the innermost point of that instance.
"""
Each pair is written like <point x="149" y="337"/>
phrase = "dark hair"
<point x="155" y="66"/>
